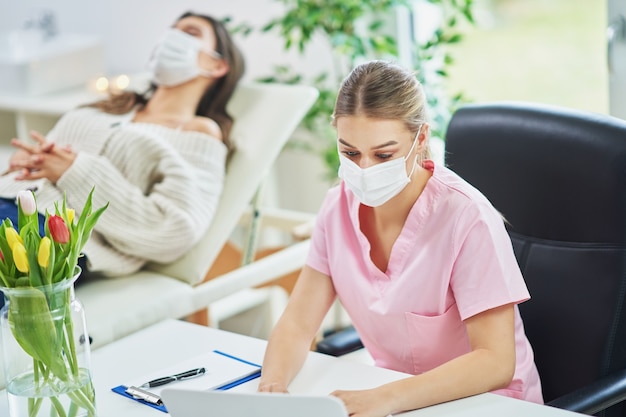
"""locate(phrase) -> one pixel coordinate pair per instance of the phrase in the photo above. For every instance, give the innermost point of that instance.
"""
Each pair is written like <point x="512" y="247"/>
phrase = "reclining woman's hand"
<point x="24" y="150"/>
<point x="40" y="160"/>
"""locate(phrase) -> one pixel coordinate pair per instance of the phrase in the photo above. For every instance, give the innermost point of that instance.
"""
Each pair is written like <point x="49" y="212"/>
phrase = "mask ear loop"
<point x="422" y="159"/>
<point x="206" y="73"/>
<point x="419" y="157"/>
<point x="213" y="54"/>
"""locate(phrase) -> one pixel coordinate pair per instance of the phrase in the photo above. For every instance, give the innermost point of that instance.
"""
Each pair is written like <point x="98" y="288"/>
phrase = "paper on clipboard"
<point x="221" y="370"/>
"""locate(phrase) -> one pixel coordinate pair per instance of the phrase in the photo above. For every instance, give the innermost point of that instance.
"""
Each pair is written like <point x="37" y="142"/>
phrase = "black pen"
<point x="178" y="377"/>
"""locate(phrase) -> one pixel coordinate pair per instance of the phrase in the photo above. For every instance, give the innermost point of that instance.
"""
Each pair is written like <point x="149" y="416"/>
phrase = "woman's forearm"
<point x="490" y="365"/>
<point x="291" y="339"/>
<point x="473" y="373"/>
<point x="286" y="351"/>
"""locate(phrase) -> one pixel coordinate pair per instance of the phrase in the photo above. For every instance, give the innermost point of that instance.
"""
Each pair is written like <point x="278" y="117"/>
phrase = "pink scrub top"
<point x="452" y="260"/>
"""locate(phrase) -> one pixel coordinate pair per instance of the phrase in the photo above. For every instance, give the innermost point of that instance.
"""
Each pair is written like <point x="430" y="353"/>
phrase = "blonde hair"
<point x="383" y="90"/>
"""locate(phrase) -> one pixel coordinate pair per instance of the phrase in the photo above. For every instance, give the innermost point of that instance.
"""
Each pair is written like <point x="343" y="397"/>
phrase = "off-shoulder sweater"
<point x="162" y="186"/>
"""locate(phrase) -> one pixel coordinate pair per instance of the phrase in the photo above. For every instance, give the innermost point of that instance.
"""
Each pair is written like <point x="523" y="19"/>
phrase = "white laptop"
<point x="194" y="403"/>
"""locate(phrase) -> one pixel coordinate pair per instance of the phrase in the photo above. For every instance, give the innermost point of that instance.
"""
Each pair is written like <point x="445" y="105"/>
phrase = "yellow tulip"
<point x="20" y="258"/>
<point x="13" y="237"/>
<point x="70" y="215"/>
<point x="43" y="256"/>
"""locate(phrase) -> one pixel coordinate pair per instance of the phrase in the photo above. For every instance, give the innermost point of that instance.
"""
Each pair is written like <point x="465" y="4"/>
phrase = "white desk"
<point x="166" y="343"/>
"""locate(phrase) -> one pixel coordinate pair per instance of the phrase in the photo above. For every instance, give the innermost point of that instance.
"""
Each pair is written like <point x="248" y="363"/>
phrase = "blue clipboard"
<point x="122" y="389"/>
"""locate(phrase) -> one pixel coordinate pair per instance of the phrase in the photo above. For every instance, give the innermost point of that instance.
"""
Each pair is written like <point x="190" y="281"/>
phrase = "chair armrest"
<point x="299" y="223"/>
<point x="256" y="273"/>
<point x="596" y="396"/>
<point x="340" y="343"/>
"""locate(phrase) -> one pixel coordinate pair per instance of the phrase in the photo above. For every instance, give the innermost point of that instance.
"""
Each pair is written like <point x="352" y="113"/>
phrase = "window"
<point x="552" y="52"/>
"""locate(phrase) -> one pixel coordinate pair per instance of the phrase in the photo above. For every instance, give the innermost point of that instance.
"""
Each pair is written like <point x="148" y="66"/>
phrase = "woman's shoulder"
<point x="87" y="118"/>
<point x="454" y="184"/>
<point x="88" y="114"/>
<point x="80" y="112"/>
<point x="204" y="125"/>
<point x="337" y="202"/>
<point x="463" y="198"/>
<point x="89" y="109"/>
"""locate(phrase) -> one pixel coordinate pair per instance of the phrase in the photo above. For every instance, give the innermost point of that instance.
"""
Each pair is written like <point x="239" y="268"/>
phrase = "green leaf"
<point x="30" y="235"/>
<point x="455" y="38"/>
<point x="32" y="325"/>
<point x="269" y="26"/>
<point x="375" y="25"/>
<point x="90" y="222"/>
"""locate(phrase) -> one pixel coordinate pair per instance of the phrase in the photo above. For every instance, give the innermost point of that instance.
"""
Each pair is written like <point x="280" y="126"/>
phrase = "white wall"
<point x="129" y="29"/>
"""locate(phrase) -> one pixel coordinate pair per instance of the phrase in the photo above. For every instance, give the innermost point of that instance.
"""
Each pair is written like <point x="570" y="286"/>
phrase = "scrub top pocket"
<point x="435" y="340"/>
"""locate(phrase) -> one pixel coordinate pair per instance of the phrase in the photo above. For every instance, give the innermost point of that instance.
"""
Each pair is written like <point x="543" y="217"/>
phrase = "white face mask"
<point x="374" y="186"/>
<point x="175" y="59"/>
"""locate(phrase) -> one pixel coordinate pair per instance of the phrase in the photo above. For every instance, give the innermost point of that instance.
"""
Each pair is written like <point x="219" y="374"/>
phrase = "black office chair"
<point x="558" y="176"/>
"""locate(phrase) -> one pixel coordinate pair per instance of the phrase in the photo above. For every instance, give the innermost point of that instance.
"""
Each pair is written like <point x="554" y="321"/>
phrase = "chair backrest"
<point x="265" y="117"/>
<point x="558" y="176"/>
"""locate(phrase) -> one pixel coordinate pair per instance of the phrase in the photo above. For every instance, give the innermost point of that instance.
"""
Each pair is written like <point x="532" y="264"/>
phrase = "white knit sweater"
<point x="162" y="186"/>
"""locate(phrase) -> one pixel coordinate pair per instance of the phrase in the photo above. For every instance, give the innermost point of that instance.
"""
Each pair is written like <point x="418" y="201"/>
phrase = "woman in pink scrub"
<point x="418" y="257"/>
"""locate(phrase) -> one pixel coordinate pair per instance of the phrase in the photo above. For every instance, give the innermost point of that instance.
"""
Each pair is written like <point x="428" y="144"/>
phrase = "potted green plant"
<point x="359" y="30"/>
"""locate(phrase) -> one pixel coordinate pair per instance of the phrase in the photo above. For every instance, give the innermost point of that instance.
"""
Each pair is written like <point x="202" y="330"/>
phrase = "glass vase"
<point x="47" y="357"/>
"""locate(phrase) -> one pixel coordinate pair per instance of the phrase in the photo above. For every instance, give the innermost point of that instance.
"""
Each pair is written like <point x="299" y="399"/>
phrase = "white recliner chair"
<point x="265" y="117"/>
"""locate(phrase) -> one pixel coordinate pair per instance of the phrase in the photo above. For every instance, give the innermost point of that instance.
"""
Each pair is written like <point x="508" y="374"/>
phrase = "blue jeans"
<point x="8" y="209"/>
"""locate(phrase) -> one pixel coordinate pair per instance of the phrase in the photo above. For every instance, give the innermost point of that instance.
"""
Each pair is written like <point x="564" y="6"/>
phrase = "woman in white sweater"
<point x="158" y="158"/>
